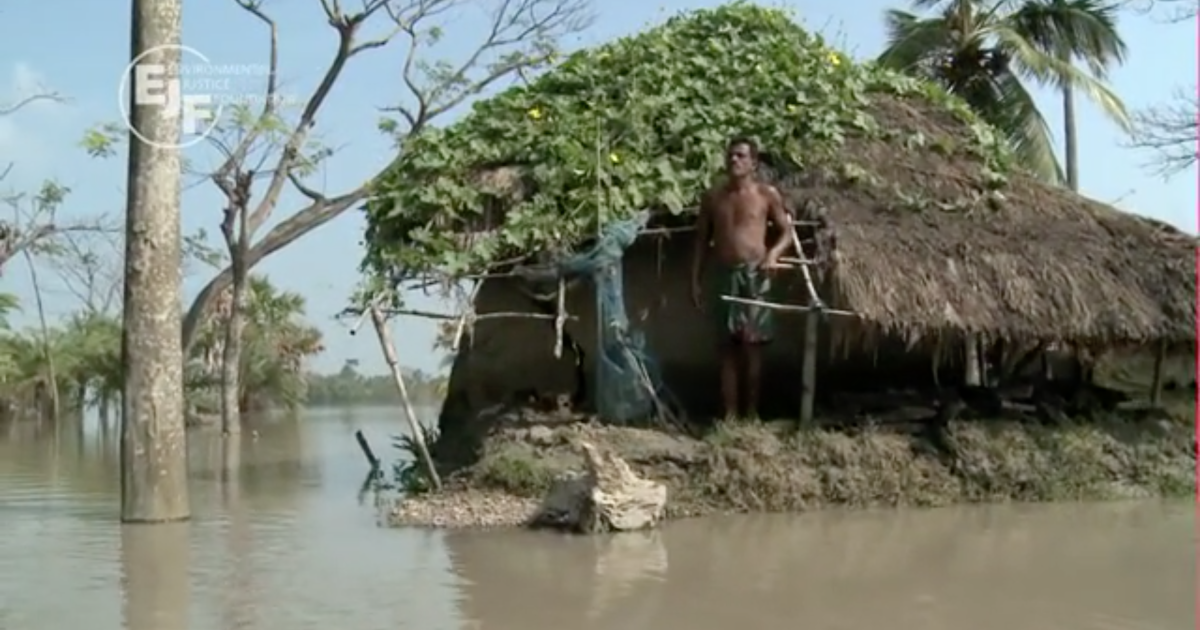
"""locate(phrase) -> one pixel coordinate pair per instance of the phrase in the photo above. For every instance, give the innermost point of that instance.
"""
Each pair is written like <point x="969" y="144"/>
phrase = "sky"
<point x="85" y="53"/>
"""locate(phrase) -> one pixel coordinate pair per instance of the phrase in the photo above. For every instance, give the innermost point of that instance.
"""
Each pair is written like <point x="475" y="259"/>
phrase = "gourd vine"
<point x="664" y="103"/>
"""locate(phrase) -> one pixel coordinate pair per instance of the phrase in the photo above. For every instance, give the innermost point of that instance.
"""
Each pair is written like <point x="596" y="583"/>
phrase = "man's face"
<point x="739" y="160"/>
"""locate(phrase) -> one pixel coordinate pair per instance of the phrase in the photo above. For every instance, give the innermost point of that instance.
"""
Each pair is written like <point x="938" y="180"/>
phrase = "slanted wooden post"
<point x="393" y="361"/>
<point x="808" y="376"/>
<point x="1156" y="385"/>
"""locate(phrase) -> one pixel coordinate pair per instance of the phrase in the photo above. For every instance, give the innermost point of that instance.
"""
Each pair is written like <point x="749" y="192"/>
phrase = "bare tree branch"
<point x="285" y="233"/>
<point x="12" y="108"/>
<point x="89" y="266"/>
<point x="1171" y="11"/>
<point x="522" y="35"/>
<point x="521" y="38"/>
<point x="347" y="26"/>
<point x="34" y="227"/>
<point x="1170" y="132"/>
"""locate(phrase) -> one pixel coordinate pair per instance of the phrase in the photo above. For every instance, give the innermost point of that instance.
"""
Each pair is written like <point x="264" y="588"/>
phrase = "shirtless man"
<point x="734" y="216"/>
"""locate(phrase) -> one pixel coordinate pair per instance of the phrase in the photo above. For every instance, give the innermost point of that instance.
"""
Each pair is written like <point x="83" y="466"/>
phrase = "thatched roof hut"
<point x="927" y="228"/>
<point x="1042" y="264"/>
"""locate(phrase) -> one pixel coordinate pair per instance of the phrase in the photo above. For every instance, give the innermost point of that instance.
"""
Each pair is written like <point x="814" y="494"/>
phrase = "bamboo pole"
<point x="467" y="316"/>
<point x="1156" y="385"/>
<point x="808" y="375"/>
<point x="788" y="308"/>
<point x="808" y="366"/>
<point x="393" y="361"/>
<point x="560" y="319"/>
<point x="971" y="363"/>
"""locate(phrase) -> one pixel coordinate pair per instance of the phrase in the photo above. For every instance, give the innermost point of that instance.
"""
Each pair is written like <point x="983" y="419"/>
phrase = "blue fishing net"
<point x="628" y="382"/>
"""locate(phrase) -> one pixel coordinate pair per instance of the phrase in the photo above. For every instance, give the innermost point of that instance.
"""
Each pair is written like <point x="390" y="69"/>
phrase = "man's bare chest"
<point x="739" y="208"/>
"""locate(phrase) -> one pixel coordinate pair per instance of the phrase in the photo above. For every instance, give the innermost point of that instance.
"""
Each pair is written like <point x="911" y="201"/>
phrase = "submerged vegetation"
<point x="639" y="124"/>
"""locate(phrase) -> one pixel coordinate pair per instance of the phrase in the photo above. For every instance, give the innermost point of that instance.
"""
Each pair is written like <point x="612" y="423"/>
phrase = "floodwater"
<point x="280" y="539"/>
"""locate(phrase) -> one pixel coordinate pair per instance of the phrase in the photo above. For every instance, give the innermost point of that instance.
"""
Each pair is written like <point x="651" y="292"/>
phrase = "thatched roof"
<point x="931" y="225"/>
<point x="1042" y="262"/>
<point x="1036" y="262"/>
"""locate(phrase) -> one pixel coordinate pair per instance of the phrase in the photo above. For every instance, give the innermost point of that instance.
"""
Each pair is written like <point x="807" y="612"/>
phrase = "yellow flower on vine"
<point x="835" y="59"/>
<point x="792" y="109"/>
<point x="535" y="113"/>
<point x="614" y="158"/>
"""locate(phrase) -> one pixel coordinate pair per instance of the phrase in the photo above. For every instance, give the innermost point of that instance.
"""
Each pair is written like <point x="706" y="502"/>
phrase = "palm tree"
<point x="276" y="341"/>
<point x="982" y="50"/>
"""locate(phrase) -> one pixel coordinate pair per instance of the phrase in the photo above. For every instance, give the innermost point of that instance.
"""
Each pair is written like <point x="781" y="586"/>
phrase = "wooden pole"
<point x="808" y="367"/>
<point x="389" y="353"/>
<point x="1156" y="385"/>
<point x="982" y="354"/>
<point x="372" y="461"/>
<point x="971" y="347"/>
<point x="808" y="376"/>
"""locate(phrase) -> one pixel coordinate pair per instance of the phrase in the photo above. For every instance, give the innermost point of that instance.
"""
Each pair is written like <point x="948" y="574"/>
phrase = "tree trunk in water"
<point x="153" y="438"/>
<point x="231" y="361"/>
<point x="231" y="354"/>
<point x="47" y="355"/>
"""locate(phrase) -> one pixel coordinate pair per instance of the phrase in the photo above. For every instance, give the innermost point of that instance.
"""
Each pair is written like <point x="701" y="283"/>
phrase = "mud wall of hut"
<point x="509" y="358"/>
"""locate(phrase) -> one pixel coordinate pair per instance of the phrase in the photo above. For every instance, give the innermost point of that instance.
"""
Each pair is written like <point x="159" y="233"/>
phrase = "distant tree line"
<point x="348" y="387"/>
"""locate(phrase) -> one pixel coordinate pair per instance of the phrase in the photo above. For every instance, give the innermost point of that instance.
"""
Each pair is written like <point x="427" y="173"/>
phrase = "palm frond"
<point x="1018" y="117"/>
<point x="1081" y="30"/>
<point x="913" y="42"/>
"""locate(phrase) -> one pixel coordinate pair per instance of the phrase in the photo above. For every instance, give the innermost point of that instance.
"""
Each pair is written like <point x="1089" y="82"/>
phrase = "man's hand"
<point x="770" y="263"/>
<point x="697" y="295"/>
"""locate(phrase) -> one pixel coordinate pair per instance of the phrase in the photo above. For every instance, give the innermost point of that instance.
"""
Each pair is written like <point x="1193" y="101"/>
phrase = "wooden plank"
<point x="788" y="308"/>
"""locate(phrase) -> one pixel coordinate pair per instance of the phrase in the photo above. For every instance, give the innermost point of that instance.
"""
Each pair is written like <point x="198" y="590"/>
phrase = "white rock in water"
<point x="609" y="497"/>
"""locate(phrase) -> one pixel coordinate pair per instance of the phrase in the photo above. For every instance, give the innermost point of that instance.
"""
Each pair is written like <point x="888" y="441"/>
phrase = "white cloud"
<point x="25" y="82"/>
<point x="19" y="136"/>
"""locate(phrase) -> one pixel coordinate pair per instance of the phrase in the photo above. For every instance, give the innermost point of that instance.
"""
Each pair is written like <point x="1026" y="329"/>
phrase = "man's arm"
<point x="702" y="236"/>
<point x="779" y="215"/>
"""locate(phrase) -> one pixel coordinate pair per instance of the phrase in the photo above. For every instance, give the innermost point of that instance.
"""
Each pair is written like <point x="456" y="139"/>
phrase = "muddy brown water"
<point x="280" y="540"/>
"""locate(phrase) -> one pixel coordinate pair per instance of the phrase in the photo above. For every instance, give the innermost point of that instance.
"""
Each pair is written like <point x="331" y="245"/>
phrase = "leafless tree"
<point x="276" y="150"/>
<point x="1166" y="10"/>
<point x="34" y="224"/>
<point x="1169" y="131"/>
<point x="89" y="267"/>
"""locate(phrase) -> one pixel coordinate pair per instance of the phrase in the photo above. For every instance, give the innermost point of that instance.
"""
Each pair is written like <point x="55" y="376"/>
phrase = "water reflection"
<point x="279" y="540"/>
<point x="1108" y="566"/>
<point x="155" y="560"/>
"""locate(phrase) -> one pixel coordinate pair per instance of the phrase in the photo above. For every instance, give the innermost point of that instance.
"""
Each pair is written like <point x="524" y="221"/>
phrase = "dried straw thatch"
<point x="1036" y="262"/>
<point x="1043" y="263"/>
